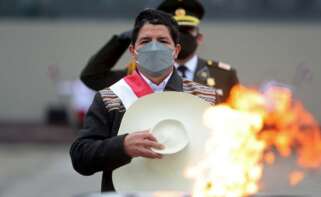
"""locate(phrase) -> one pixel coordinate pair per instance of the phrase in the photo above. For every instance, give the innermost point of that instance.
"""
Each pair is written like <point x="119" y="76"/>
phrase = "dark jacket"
<point x="98" y="148"/>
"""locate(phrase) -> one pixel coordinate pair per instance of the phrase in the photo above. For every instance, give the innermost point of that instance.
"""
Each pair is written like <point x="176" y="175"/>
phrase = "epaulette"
<point x="224" y="66"/>
<point x="210" y="63"/>
<point x="221" y="65"/>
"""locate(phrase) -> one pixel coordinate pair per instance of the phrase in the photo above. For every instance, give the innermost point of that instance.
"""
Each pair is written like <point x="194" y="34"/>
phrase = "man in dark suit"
<point x="99" y="148"/>
<point x="98" y="73"/>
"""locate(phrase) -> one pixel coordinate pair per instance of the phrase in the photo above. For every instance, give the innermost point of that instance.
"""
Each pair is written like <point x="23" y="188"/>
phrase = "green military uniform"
<point x="216" y="74"/>
<point x="98" y="73"/>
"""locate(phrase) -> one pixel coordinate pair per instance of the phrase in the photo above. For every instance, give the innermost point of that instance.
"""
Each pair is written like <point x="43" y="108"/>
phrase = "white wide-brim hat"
<point x="176" y="120"/>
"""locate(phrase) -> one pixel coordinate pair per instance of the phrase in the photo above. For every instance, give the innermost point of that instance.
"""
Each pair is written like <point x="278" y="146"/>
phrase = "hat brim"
<point x="168" y="173"/>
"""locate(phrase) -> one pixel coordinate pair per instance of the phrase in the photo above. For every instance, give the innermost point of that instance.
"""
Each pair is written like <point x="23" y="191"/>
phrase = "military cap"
<point x="185" y="12"/>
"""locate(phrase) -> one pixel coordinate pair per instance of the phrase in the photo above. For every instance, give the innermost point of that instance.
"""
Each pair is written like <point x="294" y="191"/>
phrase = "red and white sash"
<point x="130" y="88"/>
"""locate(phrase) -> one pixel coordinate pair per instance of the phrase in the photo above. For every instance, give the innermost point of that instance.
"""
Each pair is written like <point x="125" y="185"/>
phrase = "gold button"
<point x="211" y="82"/>
<point x="180" y="12"/>
<point x="203" y="74"/>
<point x="209" y="62"/>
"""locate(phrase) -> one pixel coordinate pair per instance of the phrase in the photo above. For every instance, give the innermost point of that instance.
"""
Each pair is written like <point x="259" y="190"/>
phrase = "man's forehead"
<point x="150" y="29"/>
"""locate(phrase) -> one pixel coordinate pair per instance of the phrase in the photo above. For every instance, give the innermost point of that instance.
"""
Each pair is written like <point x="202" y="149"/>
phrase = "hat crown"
<point x="189" y="12"/>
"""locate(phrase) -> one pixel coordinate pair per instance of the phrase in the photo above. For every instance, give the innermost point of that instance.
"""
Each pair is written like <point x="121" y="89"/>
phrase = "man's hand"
<point x="139" y="144"/>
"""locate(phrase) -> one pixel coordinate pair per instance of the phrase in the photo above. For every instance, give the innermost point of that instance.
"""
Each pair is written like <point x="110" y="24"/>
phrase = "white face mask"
<point x="155" y="58"/>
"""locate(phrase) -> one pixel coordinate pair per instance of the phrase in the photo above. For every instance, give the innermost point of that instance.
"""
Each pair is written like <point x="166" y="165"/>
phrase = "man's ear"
<point x="199" y="38"/>
<point x="177" y="50"/>
<point x="132" y="51"/>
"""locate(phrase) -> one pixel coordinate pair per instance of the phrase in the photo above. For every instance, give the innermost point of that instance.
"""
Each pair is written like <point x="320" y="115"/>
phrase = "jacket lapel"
<point x="175" y="82"/>
<point x="201" y="73"/>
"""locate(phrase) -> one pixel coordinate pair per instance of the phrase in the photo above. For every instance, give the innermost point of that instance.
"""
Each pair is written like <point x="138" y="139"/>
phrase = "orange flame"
<point x="295" y="177"/>
<point x="232" y="167"/>
<point x="288" y="125"/>
<point x="245" y="129"/>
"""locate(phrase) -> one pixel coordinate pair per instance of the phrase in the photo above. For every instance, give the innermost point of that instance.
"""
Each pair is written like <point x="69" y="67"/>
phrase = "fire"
<point x="245" y="131"/>
<point x="295" y="177"/>
<point x="232" y="166"/>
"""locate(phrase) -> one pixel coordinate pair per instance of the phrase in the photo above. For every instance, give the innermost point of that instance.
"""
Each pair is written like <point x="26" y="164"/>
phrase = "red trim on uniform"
<point x="138" y="84"/>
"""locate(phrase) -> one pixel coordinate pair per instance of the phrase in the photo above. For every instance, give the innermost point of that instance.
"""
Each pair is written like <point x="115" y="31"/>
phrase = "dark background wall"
<point x="263" y="39"/>
<point x="216" y="9"/>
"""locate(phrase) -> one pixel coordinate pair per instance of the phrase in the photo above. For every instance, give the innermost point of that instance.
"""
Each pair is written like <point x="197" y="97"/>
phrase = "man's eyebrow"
<point x="144" y="37"/>
<point x="163" y="37"/>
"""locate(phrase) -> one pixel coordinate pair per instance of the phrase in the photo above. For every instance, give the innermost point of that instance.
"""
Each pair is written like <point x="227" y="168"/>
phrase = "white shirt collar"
<point x="191" y="67"/>
<point x="155" y="87"/>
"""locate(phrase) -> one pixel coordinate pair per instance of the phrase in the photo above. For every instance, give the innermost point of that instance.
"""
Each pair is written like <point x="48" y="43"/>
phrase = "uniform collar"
<point x="190" y="64"/>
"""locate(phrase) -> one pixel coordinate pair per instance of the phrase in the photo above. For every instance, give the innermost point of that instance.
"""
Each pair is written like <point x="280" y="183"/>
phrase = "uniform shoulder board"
<point x="221" y="65"/>
<point x="210" y="62"/>
<point x="224" y="66"/>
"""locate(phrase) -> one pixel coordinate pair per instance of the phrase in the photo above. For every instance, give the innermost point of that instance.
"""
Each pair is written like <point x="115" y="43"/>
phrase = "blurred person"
<point x="98" y="73"/>
<point x="79" y="98"/>
<point x="154" y="46"/>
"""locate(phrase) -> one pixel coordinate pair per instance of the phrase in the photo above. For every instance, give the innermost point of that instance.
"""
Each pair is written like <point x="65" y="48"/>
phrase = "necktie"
<point x="182" y="69"/>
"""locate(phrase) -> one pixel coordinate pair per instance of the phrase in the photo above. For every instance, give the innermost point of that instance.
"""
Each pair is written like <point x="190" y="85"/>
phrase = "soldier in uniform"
<point x="188" y="13"/>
